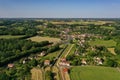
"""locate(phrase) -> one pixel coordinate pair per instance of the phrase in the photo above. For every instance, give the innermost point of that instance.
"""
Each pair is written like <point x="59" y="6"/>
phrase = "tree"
<point x="53" y="48"/>
<point x="117" y="48"/>
<point x="111" y="63"/>
<point x="49" y="75"/>
<point x="4" y="76"/>
<point x="33" y="62"/>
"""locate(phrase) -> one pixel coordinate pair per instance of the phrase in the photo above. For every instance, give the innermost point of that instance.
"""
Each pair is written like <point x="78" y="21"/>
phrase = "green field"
<point x="39" y="39"/>
<point x="2" y="26"/>
<point x="106" y="43"/>
<point x="108" y="27"/>
<point x="52" y="55"/>
<point x="66" y="50"/>
<point x="9" y="36"/>
<point x="94" y="73"/>
<point x="72" y="50"/>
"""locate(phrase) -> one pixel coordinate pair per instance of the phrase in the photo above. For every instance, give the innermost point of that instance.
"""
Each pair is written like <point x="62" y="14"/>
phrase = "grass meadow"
<point x="94" y="73"/>
<point x="106" y="43"/>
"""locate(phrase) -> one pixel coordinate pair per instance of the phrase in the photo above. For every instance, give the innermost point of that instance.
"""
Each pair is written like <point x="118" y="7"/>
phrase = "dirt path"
<point x="36" y="74"/>
<point x="67" y="77"/>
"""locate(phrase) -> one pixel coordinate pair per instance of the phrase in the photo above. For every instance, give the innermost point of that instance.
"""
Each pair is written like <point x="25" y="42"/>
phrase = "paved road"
<point x="60" y="68"/>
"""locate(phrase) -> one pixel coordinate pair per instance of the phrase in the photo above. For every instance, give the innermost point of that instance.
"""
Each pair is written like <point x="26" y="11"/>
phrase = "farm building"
<point x="63" y="62"/>
<point x="10" y="65"/>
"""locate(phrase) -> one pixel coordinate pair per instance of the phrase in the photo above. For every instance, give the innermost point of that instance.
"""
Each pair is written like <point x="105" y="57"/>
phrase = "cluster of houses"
<point x="25" y="60"/>
<point x="98" y="60"/>
<point x="81" y="36"/>
<point x="64" y="62"/>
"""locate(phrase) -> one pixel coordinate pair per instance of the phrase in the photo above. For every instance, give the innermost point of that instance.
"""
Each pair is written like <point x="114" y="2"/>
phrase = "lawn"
<point x="9" y="36"/>
<point x="39" y="39"/>
<point x="94" y="73"/>
<point x="106" y="43"/>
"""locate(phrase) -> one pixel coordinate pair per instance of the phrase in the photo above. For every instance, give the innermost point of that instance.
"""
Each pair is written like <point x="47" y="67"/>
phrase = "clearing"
<point x="112" y="50"/>
<point x="9" y="36"/>
<point x="106" y="43"/>
<point x="39" y="39"/>
<point x="94" y="73"/>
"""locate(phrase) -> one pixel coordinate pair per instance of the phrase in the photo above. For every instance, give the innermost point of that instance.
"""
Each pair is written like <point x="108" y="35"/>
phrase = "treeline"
<point x="50" y="32"/>
<point x="19" y="27"/>
<point x="12" y="49"/>
<point x="15" y="49"/>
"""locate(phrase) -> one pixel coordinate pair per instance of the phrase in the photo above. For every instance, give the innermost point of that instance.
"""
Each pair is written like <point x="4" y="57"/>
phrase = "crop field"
<point x="36" y="74"/>
<point x="39" y="39"/>
<point x="9" y="36"/>
<point x="56" y="71"/>
<point x="106" y="43"/>
<point x="94" y="73"/>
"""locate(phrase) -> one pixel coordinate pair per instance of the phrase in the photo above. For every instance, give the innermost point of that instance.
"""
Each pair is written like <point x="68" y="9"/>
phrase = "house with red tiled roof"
<point x="65" y="70"/>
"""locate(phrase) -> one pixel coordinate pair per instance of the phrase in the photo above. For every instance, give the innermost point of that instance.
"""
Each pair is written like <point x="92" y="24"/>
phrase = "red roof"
<point x="65" y="70"/>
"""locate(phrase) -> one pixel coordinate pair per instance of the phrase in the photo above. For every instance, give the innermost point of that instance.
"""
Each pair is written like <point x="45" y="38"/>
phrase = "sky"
<point x="59" y="8"/>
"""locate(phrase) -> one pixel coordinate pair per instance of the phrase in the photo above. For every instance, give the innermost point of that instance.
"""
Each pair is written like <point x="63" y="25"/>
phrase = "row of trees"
<point x="13" y="49"/>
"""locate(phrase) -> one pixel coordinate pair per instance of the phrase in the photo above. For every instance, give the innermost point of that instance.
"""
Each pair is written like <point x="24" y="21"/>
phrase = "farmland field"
<point x="36" y="74"/>
<point x="106" y="43"/>
<point x="39" y="39"/>
<point x="94" y="73"/>
<point x="9" y="36"/>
